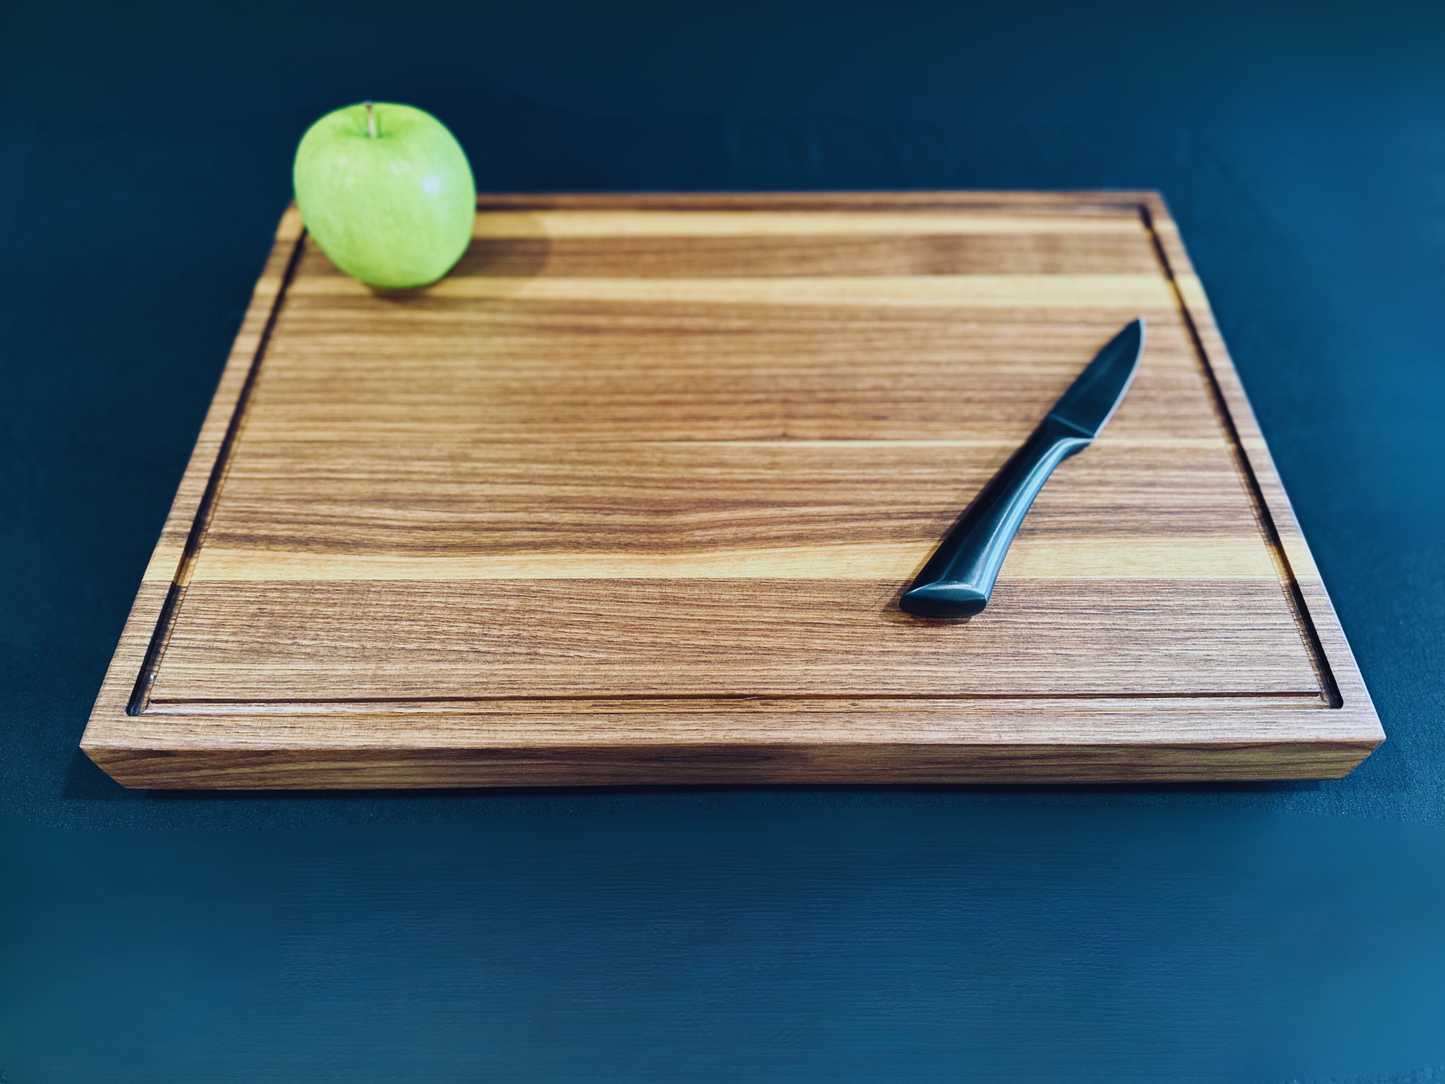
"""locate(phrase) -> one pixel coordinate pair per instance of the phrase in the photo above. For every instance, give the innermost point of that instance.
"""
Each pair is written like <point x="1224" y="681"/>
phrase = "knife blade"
<point x="958" y="579"/>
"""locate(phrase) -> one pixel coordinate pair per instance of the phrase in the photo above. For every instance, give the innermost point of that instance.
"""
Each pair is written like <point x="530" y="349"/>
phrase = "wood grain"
<point x="630" y="497"/>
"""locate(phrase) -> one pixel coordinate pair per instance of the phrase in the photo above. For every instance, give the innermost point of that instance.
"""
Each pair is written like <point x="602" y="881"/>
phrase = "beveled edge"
<point x="164" y="570"/>
<point x="1343" y="672"/>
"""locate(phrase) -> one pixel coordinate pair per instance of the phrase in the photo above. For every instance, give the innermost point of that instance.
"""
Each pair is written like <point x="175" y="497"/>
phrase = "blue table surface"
<point x="1271" y="932"/>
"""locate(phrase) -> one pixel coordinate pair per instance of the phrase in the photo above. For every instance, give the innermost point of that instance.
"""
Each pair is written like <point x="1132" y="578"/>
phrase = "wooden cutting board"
<point x="631" y="495"/>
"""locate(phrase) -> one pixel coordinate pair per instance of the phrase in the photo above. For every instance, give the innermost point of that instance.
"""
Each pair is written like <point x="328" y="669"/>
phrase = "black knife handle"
<point x="959" y="577"/>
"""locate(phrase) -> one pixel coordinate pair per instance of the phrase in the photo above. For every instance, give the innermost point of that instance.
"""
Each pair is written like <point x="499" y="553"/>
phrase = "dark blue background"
<point x="1231" y="933"/>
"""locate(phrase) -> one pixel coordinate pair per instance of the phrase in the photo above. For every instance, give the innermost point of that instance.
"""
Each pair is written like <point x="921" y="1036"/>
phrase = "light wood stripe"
<point x="1123" y="293"/>
<point x="1192" y="291"/>
<point x="612" y="224"/>
<point x="1103" y="558"/>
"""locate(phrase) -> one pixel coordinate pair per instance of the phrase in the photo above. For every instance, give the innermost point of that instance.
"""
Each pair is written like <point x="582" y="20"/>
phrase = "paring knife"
<point x="959" y="577"/>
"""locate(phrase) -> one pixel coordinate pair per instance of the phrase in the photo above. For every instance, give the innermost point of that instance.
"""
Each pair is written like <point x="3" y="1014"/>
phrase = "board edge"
<point x="160" y="757"/>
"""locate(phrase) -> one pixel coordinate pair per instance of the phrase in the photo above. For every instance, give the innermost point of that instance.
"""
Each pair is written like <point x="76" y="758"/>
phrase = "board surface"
<point x="630" y="497"/>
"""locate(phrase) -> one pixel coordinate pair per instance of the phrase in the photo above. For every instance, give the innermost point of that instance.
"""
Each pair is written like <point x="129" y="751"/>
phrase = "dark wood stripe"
<point x="810" y="256"/>
<point x="724" y="638"/>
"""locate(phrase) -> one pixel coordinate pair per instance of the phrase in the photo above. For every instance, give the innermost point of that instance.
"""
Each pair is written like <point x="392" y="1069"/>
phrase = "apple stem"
<point x="370" y="121"/>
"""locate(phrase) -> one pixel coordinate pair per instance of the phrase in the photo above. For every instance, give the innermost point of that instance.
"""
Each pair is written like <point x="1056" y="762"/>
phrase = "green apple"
<point x="387" y="193"/>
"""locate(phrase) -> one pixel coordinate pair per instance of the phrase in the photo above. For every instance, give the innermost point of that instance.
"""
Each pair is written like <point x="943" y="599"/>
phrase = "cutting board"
<point x="630" y="497"/>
